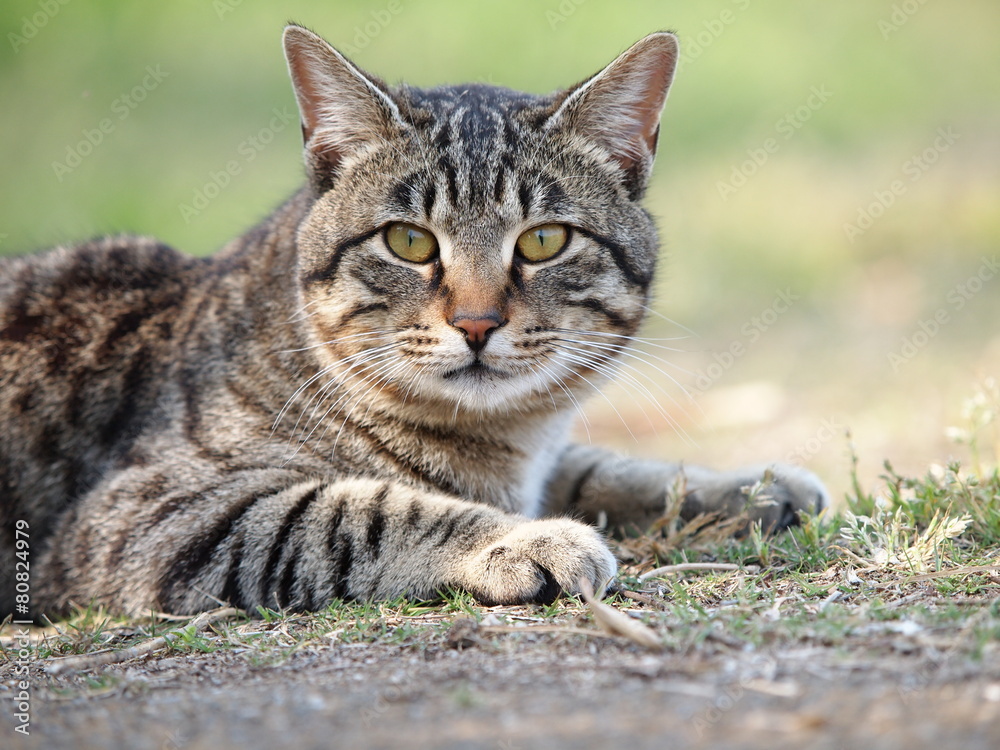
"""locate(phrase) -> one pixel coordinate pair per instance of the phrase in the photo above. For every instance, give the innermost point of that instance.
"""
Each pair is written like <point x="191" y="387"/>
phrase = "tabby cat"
<point x="370" y="393"/>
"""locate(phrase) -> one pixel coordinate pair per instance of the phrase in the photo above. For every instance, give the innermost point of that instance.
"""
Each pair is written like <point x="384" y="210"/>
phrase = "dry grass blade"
<point x="670" y="534"/>
<point x="99" y="659"/>
<point x="616" y="623"/>
<point x="891" y="538"/>
<point x="681" y="567"/>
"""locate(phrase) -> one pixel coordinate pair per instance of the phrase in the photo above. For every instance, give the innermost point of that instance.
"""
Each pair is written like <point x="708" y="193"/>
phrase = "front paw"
<point x="784" y="492"/>
<point x="537" y="561"/>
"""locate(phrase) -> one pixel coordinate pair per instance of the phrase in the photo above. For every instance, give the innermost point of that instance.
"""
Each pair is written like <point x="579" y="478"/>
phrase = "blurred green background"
<point x="788" y="124"/>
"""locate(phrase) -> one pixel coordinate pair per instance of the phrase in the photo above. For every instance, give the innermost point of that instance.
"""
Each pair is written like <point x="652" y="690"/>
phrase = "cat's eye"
<point x="543" y="242"/>
<point x="410" y="242"/>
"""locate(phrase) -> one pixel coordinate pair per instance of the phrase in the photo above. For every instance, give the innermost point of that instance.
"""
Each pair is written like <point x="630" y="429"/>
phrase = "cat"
<point x="369" y="394"/>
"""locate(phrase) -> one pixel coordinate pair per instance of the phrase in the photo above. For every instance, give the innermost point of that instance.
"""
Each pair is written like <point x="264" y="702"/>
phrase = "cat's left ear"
<point x="619" y="108"/>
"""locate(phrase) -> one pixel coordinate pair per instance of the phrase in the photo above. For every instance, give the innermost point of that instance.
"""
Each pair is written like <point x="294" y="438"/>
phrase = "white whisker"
<point x="660" y="315"/>
<point x="629" y="351"/>
<point x="636" y="339"/>
<point x="576" y="404"/>
<point x="384" y="377"/>
<point x="379" y="358"/>
<point x="586" y="363"/>
<point x="638" y="356"/>
<point x="342" y="339"/>
<point x="331" y="385"/>
<point x="605" y="363"/>
<point x="305" y="439"/>
<point x="315" y="377"/>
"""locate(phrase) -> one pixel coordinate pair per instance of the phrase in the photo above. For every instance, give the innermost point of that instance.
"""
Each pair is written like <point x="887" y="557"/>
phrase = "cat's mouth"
<point x="477" y="370"/>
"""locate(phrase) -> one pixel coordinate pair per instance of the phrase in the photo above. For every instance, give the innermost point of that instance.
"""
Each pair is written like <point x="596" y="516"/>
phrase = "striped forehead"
<point x="478" y="144"/>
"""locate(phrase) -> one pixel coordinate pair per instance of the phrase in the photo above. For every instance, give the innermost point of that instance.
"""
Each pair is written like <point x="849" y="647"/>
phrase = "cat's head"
<point x="470" y="245"/>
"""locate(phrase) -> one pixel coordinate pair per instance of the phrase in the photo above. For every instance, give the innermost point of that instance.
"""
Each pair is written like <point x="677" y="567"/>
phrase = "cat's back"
<point x="80" y="308"/>
<point x="85" y="333"/>
<point x="121" y="262"/>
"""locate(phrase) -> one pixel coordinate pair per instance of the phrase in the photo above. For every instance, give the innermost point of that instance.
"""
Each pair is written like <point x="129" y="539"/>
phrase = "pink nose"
<point x="477" y="329"/>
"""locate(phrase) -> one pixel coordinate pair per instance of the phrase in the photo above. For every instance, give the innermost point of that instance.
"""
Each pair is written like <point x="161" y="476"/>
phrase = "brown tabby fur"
<point x="299" y="418"/>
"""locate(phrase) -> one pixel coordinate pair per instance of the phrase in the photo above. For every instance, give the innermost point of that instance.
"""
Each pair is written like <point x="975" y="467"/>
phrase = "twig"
<point x="835" y="596"/>
<point x="636" y="596"/>
<point x="101" y="658"/>
<point x="909" y="600"/>
<point x="618" y="623"/>
<point x="865" y="564"/>
<point x="562" y="629"/>
<point x="779" y="689"/>
<point x="688" y="566"/>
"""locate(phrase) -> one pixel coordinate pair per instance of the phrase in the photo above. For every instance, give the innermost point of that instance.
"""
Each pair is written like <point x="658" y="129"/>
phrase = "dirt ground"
<point x="536" y="691"/>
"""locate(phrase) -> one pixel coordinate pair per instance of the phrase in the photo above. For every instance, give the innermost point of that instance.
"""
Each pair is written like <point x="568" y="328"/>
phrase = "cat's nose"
<point x="478" y="328"/>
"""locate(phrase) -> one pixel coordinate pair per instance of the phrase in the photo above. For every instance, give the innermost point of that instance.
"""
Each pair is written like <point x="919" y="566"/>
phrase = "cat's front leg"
<point x="595" y="483"/>
<point x="278" y="539"/>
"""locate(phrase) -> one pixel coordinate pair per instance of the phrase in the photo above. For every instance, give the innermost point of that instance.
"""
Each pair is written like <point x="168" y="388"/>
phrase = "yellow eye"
<point x="542" y="243"/>
<point x="410" y="242"/>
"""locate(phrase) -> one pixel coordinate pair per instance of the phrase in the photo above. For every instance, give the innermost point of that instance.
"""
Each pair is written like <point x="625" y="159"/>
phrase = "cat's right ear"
<point x="619" y="108"/>
<point x="342" y="108"/>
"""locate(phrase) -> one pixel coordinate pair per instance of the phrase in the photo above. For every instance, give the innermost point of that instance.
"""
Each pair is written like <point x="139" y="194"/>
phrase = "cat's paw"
<point x="784" y="492"/>
<point x="537" y="561"/>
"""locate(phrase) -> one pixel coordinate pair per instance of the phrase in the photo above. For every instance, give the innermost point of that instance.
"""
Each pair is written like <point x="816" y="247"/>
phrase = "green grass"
<point x="842" y="581"/>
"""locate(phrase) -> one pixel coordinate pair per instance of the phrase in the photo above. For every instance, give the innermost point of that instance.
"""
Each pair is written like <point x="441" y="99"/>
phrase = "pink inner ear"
<point x="305" y="90"/>
<point x="639" y="92"/>
<point x="620" y="107"/>
<point x="652" y="103"/>
<point x="310" y="63"/>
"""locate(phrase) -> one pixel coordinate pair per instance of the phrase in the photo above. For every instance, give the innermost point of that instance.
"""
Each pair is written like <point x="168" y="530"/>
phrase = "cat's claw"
<point x="537" y="561"/>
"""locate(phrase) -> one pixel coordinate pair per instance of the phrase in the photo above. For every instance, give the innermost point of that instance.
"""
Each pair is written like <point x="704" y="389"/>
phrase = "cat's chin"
<point x="484" y="389"/>
<point x="476" y="371"/>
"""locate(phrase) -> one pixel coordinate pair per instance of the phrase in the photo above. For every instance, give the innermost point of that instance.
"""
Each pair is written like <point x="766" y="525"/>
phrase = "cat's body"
<point x="319" y="411"/>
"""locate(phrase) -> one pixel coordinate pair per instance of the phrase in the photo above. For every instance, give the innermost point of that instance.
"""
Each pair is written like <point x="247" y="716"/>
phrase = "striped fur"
<point x="299" y="418"/>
